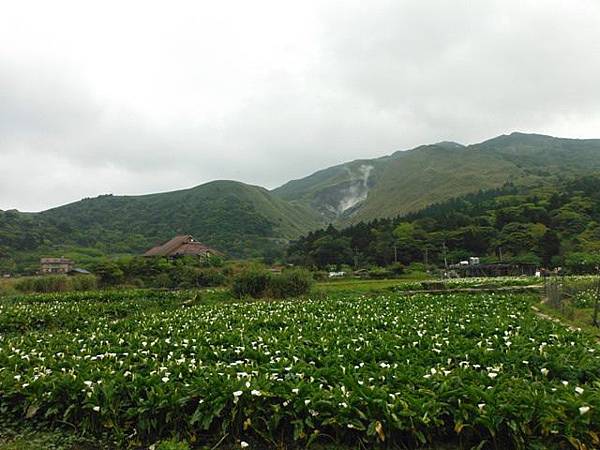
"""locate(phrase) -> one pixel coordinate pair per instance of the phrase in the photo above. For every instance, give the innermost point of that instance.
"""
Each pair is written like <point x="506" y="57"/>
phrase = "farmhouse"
<point x="60" y="265"/>
<point x="182" y="246"/>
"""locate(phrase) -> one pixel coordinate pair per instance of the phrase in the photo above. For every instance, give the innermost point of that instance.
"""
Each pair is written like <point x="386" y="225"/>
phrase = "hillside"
<point x="549" y="226"/>
<point x="250" y="221"/>
<point x="407" y="181"/>
<point x="238" y="219"/>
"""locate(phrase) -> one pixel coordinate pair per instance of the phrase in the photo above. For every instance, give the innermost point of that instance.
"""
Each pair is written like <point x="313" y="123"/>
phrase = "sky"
<point x="133" y="97"/>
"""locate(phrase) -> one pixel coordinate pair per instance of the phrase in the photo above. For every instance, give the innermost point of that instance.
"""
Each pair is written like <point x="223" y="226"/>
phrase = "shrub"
<point x="321" y="275"/>
<point x="162" y="281"/>
<point x="379" y="273"/>
<point x="209" y="277"/>
<point x="83" y="282"/>
<point x="252" y="282"/>
<point x="291" y="283"/>
<point x="397" y="269"/>
<point x="257" y="282"/>
<point x="51" y="283"/>
<point x="109" y="273"/>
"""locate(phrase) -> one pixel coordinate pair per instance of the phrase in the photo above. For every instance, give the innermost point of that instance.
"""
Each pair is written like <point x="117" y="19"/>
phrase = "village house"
<point x="60" y="265"/>
<point x="184" y="245"/>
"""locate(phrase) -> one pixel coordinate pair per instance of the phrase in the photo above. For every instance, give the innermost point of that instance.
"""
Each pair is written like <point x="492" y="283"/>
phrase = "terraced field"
<point x="379" y="370"/>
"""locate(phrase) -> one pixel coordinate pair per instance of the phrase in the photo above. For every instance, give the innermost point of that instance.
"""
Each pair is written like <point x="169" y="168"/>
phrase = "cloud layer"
<point x="141" y="96"/>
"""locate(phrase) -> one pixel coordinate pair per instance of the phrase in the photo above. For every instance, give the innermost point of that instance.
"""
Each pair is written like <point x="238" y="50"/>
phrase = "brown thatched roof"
<point x="181" y="245"/>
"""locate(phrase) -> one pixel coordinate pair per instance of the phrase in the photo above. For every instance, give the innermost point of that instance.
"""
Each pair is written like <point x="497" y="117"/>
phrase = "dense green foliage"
<point x="248" y="221"/>
<point x="257" y="282"/>
<point x="157" y="272"/>
<point x="544" y="225"/>
<point x="410" y="370"/>
<point x="237" y="219"/>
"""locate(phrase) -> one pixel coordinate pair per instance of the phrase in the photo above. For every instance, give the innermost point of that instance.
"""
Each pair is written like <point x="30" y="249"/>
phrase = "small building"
<point x="60" y="265"/>
<point x="184" y="245"/>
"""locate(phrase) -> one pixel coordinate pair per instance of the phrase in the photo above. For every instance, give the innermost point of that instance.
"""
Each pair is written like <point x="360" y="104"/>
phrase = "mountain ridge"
<point x="247" y="221"/>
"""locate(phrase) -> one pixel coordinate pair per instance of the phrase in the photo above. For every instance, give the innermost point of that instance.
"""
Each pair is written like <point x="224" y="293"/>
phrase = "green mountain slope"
<point x="545" y="225"/>
<point x="407" y="181"/>
<point x="233" y="217"/>
<point x="247" y="221"/>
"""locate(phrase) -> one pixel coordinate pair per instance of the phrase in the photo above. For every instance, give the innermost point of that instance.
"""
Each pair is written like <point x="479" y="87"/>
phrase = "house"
<point x="60" y="265"/>
<point x="182" y="246"/>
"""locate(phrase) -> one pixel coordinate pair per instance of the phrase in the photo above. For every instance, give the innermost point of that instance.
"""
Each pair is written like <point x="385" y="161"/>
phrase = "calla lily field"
<point x="382" y="370"/>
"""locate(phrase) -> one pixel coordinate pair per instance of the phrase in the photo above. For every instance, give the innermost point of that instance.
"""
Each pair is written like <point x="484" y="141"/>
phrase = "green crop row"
<point x="406" y="370"/>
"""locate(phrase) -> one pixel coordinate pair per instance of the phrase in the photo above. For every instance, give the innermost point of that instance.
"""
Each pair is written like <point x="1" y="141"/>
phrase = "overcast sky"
<point x="131" y="97"/>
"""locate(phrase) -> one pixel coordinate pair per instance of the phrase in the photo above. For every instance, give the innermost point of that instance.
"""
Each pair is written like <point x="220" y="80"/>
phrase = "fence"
<point x="566" y="294"/>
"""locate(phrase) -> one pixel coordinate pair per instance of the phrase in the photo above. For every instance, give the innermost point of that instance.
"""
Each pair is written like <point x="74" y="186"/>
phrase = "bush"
<point x="109" y="273"/>
<point x="416" y="267"/>
<point x="50" y="283"/>
<point x="379" y="273"/>
<point x="162" y="281"/>
<point x="209" y="277"/>
<point x="290" y="283"/>
<point x="257" y="282"/>
<point x="83" y="282"/>
<point x="397" y="269"/>
<point x="251" y="282"/>
<point x="56" y="283"/>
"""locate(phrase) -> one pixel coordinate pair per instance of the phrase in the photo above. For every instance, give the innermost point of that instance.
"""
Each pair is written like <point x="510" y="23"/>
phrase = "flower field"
<point x="384" y="370"/>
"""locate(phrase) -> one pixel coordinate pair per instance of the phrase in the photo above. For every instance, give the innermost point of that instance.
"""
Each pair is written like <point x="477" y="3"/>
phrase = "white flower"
<point x="583" y="410"/>
<point x="244" y="444"/>
<point x="295" y="390"/>
<point x="256" y="393"/>
<point x="579" y="390"/>
<point x="481" y="406"/>
<point x="87" y="383"/>
<point x="97" y="408"/>
<point x="237" y="393"/>
<point x="544" y="371"/>
<point x="492" y="375"/>
<point x="565" y="383"/>
<point x="165" y="379"/>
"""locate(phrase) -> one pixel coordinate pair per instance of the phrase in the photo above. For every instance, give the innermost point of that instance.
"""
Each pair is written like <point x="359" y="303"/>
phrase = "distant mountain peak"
<point x="449" y="145"/>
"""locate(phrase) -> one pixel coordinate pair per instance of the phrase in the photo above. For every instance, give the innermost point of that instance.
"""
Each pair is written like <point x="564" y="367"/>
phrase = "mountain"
<point x="250" y="221"/>
<point x="236" y="218"/>
<point x="545" y="225"/>
<point x="407" y="181"/>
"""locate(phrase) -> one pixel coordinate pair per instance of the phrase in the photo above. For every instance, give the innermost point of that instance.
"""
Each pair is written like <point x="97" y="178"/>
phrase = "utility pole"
<point x="395" y="254"/>
<point x="426" y="259"/>
<point x="444" y="251"/>
<point x="500" y="252"/>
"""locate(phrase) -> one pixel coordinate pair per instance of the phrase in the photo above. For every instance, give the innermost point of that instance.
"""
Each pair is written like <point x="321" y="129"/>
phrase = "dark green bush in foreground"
<point x="257" y="282"/>
<point x="56" y="283"/>
<point x="290" y="283"/>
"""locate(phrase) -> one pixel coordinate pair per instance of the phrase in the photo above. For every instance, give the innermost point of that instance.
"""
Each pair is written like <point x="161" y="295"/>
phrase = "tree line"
<point x="549" y="225"/>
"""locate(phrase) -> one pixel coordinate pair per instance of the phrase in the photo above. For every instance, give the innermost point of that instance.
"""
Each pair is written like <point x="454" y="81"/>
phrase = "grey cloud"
<point x="373" y="78"/>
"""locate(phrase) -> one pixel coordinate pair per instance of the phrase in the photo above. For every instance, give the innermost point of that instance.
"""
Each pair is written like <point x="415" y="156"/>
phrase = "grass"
<point x="358" y="285"/>
<point x="574" y="317"/>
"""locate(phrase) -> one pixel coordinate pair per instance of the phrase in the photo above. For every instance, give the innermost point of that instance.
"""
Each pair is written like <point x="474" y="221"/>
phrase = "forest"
<point x="548" y="225"/>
